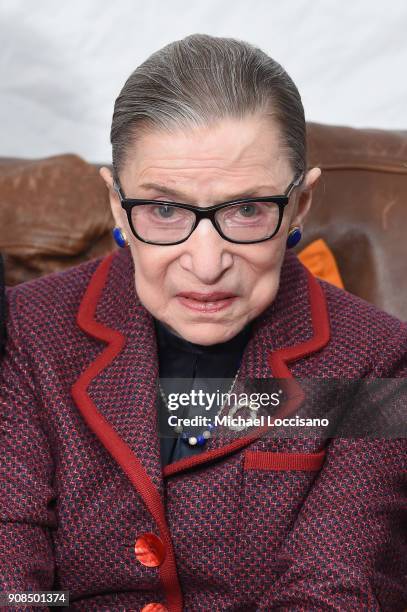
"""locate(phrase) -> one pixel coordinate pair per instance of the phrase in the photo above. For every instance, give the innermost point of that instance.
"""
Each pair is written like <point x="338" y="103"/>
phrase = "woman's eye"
<point x="248" y="210"/>
<point x="165" y="212"/>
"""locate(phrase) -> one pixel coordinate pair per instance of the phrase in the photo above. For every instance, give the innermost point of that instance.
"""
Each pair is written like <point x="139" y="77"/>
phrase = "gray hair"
<point x="199" y="80"/>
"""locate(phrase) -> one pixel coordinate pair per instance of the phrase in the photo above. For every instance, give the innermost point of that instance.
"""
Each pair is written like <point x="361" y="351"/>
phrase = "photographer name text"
<point x="239" y="421"/>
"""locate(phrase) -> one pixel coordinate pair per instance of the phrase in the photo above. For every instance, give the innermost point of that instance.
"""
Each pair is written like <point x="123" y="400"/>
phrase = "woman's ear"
<point x="304" y="200"/>
<point x="107" y="176"/>
<point x="117" y="210"/>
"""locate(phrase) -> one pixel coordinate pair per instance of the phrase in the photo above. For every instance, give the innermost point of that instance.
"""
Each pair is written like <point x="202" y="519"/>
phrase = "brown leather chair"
<point x="360" y="209"/>
<point x="54" y="212"/>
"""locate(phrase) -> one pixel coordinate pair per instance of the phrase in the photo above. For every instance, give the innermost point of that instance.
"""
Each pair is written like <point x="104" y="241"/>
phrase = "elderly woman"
<point x="102" y="495"/>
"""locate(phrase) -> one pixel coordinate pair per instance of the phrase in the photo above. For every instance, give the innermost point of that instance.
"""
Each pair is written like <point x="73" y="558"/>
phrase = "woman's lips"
<point x="206" y="302"/>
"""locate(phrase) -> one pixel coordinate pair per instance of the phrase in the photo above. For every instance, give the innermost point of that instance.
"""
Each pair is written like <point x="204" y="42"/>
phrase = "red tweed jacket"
<point x="253" y="524"/>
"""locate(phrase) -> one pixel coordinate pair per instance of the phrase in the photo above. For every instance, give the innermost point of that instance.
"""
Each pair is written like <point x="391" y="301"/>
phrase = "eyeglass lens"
<point x="243" y="222"/>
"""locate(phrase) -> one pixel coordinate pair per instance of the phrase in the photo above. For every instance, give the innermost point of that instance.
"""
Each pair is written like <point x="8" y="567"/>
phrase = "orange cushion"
<point x="320" y="260"/>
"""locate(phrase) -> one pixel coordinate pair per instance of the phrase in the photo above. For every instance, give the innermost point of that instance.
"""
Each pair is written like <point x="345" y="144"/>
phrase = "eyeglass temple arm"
<point x="295" y="184"/>
<point x="118" y="189"/>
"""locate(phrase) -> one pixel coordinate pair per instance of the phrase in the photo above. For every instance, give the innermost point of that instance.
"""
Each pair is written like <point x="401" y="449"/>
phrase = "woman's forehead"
<point x="245" y="151"/>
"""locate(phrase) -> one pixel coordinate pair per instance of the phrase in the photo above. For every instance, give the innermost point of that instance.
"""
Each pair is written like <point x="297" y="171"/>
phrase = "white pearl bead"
<point x="192" y="441"/>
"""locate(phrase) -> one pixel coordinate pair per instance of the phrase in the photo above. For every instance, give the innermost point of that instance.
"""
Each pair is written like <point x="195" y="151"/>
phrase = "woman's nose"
<point x="206" y="254"/>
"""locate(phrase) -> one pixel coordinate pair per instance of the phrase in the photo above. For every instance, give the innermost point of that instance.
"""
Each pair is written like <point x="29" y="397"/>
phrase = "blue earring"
<point x="119" y="237"/>
<point x="293" y="238"/>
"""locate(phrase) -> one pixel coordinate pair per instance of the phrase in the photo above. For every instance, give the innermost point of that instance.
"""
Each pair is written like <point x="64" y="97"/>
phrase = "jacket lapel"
<point x="118" y="391"/>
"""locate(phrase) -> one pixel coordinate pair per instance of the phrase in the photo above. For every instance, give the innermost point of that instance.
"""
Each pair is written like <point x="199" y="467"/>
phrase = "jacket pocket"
<point x="275" y="486"/>
<point x="271" y="461"/>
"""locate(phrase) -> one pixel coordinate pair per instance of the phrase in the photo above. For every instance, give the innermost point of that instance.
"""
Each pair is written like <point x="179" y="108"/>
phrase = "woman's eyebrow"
<point x="173" y="193"/>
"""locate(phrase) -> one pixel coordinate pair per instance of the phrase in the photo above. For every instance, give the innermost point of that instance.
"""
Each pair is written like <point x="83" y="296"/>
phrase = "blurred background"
<point x="63" y="64"/>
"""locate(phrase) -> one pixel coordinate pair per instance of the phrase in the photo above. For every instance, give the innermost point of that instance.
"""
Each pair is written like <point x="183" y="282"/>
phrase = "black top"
<point x="209" y="368"/>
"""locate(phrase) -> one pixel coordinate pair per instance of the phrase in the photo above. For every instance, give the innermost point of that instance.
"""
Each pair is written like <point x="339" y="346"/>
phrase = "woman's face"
<point x="206" y="166"/>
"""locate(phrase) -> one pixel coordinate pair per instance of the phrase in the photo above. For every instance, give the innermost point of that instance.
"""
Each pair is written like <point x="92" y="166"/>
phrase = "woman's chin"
<point x="207" y="333"/>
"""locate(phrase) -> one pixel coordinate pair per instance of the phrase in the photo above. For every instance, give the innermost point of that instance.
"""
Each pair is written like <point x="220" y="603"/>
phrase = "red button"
<point x="150" y="551"/>
<point x="154" y="607"/>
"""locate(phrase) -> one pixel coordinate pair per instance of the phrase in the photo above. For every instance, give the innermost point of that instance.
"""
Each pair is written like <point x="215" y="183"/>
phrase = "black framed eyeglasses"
<point x="245" y="221"/>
